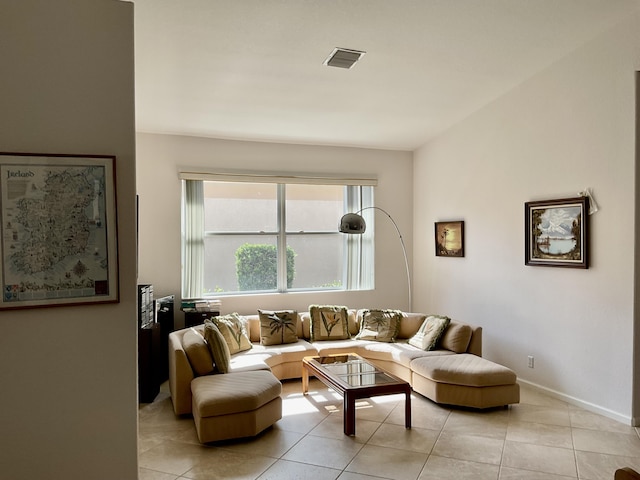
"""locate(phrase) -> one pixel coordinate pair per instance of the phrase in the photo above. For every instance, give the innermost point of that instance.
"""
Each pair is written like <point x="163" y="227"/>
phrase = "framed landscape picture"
<point x="557" y="233"/>
<point x="449" y="239"/>
<point x="58" y="230"/>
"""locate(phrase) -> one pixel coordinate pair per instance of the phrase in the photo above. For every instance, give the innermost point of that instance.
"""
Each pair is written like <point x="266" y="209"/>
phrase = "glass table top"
<point x="353" y="370"/>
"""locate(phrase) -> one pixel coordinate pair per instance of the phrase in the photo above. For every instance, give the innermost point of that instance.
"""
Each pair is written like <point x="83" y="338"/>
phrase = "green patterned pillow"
<point x="217" y="346"/>
<point x="426" y="338"/>
<point x="278" y="327"/>
<point x="329" y="322"/>
<point x="233" y="328"/>
<point x="380" y="325"/>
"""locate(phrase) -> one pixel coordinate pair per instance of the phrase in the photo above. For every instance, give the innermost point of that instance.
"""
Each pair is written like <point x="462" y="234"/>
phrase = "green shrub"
<point x="257" y="267"/>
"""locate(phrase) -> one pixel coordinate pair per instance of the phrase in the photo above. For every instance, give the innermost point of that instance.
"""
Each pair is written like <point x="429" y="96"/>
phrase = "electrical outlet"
<point x="530" y="361"/>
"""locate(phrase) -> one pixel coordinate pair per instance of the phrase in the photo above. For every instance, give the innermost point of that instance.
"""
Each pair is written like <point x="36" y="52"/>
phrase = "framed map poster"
<point x="58" y="230"/>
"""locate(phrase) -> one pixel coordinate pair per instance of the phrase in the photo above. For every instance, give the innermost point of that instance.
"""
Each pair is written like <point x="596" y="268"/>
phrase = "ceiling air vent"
<point x="343" y="58"/>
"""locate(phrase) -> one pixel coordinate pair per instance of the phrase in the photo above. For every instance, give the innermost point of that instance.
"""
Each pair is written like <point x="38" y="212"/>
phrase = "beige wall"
<point x="68" y="408"/>
<point x="569" y="127"/>
<point x="161" y="157"/>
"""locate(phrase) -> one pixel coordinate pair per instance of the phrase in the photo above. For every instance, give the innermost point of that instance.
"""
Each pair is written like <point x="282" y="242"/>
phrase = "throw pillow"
<point x="329" y="322"/>
<point x="278" y="327"/>
<point x="456" y="337"/>
<point x="354" y="326"/>
<point x="233" y="328"/>
<point x="410" y="324"/>
<point x="380" y="325"/>
<point x="217" y="346"/>
<point x="426" y="338"/>
<point x="198" y="353"/>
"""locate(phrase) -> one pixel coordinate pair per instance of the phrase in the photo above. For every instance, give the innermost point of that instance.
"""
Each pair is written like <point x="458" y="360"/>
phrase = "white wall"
<point x="161" y="157"/>
<point x="569" y="127"/>
<point x="68" y="407"/>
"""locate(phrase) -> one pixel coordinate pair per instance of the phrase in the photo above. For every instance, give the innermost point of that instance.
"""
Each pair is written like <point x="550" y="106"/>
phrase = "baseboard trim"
<point x="627" y="420"/>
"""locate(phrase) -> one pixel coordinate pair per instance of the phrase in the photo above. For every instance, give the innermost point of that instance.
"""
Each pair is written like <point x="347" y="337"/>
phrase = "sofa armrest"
<point x="180" y="375"/>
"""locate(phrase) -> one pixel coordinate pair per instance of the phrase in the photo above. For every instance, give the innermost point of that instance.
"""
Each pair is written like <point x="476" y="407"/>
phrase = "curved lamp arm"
<point x="353" y="223"/>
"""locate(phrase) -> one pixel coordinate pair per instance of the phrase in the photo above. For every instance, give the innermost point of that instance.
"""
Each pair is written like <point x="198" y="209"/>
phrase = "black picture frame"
<point x="557" y="232"/>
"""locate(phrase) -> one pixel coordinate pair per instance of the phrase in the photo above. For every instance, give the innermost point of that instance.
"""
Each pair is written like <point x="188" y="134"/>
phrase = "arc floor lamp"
<point x="354" y="224"/>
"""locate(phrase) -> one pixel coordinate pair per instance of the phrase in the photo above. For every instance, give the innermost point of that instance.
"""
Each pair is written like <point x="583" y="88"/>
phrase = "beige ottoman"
<point x="235" y="405"/>
<point x="465" y="380"/>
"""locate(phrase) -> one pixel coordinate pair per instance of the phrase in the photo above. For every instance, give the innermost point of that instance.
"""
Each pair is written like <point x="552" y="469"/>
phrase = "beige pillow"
<point x="233" y="328"/>
<point x="305" y="321"/>
<point x="426" y="338"/>
<point x="197" y="352"/>
<point x="354" y="325"/>
<point x="456" y="337"/>
<point x="380" y="325"/>
<point x="278" y="327"/>
<point x="217" y="346"/>
<point x="329" y="322"/>
<point x="410" y="324"/>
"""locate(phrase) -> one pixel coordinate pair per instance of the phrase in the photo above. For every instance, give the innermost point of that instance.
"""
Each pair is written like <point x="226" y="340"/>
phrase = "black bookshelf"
<point x="164" y="312"/>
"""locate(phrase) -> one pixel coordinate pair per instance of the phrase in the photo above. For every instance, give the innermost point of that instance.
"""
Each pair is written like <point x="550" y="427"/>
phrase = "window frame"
<point x="355" y="275"/>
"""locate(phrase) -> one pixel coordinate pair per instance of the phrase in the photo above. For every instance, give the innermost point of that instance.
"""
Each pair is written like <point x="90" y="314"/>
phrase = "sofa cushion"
<point x="217" y="346"/>
<point x="463" y="369"/>
<point x="285" y="353"/>
<point x="329" y="322"/>
<point x="234" y="330"/>
<point x="248" y="363"/>
<point x="400" y="352"/>
<point x="426" y="338"/>
<point x="197" y="351"/>
<point x="333" y="347"/>
<point x="379" y="325"/>
<point x="216" y="395"/>
<point x="278" y="327"/>
<point x="456" y="337"/>
<point x="410" y="324"/>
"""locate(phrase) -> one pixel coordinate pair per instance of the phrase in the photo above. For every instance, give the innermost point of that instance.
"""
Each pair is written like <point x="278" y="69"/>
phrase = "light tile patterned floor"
<point x="540" y="438"/>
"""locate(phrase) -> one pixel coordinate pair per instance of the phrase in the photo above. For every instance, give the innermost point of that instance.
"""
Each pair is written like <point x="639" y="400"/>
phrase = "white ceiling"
<point x="253" y="69"/>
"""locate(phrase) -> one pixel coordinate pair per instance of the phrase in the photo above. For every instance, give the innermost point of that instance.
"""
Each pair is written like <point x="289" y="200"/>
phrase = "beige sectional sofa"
<point x="454" y="373"/>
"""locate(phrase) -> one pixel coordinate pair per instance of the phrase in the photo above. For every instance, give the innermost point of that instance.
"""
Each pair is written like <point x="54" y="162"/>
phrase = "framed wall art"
<point x="449" y="239"/>
<point x="58" y="230"/>
<point x="557" y="233"/>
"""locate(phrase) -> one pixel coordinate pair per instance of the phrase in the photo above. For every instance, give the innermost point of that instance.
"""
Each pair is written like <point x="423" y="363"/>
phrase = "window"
<point x="241" y="237"/>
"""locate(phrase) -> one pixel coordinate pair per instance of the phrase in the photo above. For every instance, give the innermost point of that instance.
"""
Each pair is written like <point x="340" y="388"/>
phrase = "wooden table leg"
<point x="349" y="419"/>
<point x="305" y="380"/>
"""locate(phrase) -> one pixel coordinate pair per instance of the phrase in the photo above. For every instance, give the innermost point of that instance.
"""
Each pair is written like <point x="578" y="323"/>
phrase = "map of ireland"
<point x="55" y="244"/>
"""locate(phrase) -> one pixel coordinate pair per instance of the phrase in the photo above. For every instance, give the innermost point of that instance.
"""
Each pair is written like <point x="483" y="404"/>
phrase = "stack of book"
<point x="207" y="305"/>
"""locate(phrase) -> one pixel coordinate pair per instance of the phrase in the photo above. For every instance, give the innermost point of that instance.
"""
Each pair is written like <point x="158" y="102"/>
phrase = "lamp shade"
<point x="352" y="223"/>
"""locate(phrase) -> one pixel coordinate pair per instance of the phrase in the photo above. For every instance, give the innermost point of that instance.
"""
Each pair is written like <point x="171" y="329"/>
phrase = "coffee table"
<point x="353" y="377"/>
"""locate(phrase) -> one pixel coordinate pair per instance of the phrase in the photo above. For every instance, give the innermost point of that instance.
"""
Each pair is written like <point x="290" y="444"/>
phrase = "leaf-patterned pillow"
<point x="329" y="323"/>
<point x="426" y="338"/>
<point x="233" y="328"/>
<point x="278" y="327"/>
<point x="380" y="325"/>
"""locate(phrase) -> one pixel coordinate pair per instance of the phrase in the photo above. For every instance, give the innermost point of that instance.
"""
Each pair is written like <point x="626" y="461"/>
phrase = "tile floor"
<point x="540" y="438"/>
